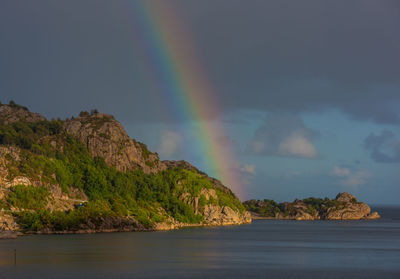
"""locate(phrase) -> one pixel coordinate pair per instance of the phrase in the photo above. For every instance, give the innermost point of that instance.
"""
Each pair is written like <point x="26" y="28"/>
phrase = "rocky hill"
<point x="86" y="174"/>
<point x="14" y="113"/>
<point x="344" y="207"/>
<point x="105" y="137"/>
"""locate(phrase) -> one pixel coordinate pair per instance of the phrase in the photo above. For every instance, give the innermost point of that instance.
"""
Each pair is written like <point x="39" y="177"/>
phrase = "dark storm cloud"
<point x="59" y="57"/>
<point x="305" y="55"/>
<point x="384" y="148"/>
<point x="265" y="55"/>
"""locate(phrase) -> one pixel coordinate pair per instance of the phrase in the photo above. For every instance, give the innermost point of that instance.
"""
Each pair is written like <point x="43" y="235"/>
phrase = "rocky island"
<point x="85" y="174"/>
<point x="344" y="207"/>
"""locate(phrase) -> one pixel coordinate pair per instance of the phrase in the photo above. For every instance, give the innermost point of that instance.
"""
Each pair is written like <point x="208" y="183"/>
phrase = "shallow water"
<point x="264" y="249"/>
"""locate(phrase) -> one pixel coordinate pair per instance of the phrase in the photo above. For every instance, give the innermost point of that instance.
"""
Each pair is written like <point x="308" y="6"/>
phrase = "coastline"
<point x="7" y="234"/>
<point x="255" y="217"/>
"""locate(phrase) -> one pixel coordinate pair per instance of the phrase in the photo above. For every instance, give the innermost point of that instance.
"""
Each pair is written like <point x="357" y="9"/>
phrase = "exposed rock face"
<point x="372" y="216"/>
<point x="10" y="114"/>
<point x="346" y="197"/>
<point x="105" y="137"/>
<point x="13" y="153"/>
<point x="214" y="214"/>
<point x="351" y="211"/>
<point x="7" y="222"/>
<point x="299" y="211"/>
<point x="344" y="207"/>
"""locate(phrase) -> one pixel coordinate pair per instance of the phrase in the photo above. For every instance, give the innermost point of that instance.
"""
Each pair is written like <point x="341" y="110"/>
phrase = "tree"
<point x="83" y="113"/>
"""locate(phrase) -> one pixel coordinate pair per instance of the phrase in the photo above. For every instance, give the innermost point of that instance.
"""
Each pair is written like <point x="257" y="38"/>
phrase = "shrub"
<point x="28" y="197"/>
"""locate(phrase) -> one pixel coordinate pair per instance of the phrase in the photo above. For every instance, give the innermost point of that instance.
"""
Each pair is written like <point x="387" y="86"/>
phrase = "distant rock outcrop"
<point x="344" y="207"/>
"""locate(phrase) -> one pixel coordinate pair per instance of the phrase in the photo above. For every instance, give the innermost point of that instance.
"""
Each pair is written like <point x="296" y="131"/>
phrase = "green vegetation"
<point x="315" y="203"/>
<point x="225" y="199"/>
<point x="28" y="135"/>
<point x="270" y="208"/>
<point x="145" y="151"/>
<point x="51" y="156"/>
<point x="266" y="208"/>
<point x="14" y="105"/>
<point x="28" y="197"/>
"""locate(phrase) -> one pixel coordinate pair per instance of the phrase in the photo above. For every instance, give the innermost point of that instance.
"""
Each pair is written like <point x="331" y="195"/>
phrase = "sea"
<point x="263" y="249"/>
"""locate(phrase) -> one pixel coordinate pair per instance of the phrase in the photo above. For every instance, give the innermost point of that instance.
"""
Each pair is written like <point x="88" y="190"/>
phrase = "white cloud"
<point x="284" y="135"/>
<point x="297" y="145"/>
<point x="351" y="178"/>
<point x="341" y="172"/>
<point x="248" y="168"/>
<point x="169" y="143"/>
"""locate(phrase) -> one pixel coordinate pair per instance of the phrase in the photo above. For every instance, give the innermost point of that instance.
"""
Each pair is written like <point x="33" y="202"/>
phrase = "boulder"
<point x="348" y="212"/>
<point x="373" y="216"/>
<point x="346" y="197"/>
<point x="216" y="215"/>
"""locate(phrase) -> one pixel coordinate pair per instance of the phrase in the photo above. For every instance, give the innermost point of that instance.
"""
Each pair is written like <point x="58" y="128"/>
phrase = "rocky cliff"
<point x="105" y="137"/>
<point x="344" y="207"/>
<point x="86" y="174"/>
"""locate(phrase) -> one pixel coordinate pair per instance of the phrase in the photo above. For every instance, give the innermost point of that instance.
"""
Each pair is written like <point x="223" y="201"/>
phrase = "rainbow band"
<point x="187" y="90"/>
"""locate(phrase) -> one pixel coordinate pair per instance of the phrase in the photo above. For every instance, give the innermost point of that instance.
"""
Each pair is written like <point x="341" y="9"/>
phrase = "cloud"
<point x="248" y="168"/>
<point x="283" y="135"/>
<point x="384" y="148"/>
<point x="351" y="178"/>
<point x="341" y="172"/>
<point x="294" y="173"/>
<point x="307" y="56"/>
<point x="169" y="143"/>
<point x="297" y="145"/>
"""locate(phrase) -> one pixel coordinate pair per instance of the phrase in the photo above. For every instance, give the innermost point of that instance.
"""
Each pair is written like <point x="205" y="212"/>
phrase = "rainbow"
<point x="187" y="92"/>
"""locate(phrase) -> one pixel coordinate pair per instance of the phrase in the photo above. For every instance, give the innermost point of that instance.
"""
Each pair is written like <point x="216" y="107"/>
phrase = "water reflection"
<point x="275" y="248"/>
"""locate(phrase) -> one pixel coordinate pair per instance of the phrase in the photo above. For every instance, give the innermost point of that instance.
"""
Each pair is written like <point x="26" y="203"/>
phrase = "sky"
<point x="308" y="92"/>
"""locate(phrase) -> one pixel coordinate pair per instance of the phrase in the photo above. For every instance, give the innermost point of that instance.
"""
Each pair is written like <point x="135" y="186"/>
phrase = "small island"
<point x="344" y="207"/>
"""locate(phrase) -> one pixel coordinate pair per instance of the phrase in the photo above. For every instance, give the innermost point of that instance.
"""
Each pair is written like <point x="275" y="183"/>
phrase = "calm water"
<point x="264" y="249"/>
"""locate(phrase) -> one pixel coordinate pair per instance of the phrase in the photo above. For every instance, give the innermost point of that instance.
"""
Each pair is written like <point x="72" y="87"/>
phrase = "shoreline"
<point x="255" y="216"/>
<point x="15" y="234"/>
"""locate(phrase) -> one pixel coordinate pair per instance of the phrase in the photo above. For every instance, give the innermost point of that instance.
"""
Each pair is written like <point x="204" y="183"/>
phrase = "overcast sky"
<point x="309" y="90"/>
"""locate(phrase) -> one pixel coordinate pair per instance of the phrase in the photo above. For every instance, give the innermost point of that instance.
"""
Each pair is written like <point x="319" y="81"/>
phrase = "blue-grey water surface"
<point x="264" y="249"/>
